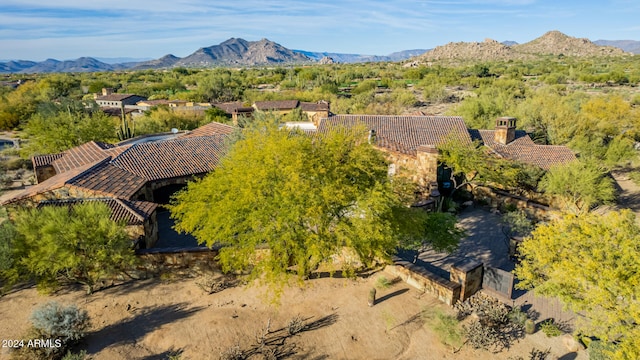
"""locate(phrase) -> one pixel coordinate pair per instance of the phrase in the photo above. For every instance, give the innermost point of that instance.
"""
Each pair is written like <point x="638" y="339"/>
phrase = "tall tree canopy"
<point x="580" y="184"/>
<point x="591" y="263"/>
<point x="304" y="198"/>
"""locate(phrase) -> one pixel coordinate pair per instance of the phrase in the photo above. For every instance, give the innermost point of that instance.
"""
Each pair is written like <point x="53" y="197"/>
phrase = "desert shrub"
<point x="496" y="326"/>
<point x="295" y="325"/>
<point x="382" y="282"/>
<point x="75" y="356"/>
<point x="517" y="316"/>
<point x="233" y="352"/>
<point x="447" y="328"/>
<point x="61" y="326"/>
<point x="534" y="354"/>
<point x="68" y="324"/>
<point x="550" y="328"/>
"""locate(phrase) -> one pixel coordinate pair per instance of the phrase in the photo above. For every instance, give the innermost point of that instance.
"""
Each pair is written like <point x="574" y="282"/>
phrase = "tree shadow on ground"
<point x="169" y="354"/>
<point x="569" y="356"/>
<point x="134" y="328"/>
<point x="390" y="295"/>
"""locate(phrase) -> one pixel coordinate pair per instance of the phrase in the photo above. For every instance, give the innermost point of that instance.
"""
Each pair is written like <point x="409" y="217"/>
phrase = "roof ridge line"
<point x="92" y="167"/>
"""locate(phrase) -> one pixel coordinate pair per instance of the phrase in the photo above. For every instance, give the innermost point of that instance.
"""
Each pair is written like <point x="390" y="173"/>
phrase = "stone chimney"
<point x="505" y="131"/>
<point x="107" y="91"/>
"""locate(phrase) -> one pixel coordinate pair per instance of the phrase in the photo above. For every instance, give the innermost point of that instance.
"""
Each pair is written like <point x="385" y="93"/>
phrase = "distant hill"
<point x="631" y="46"/>
<point x="360" y="58"/>
<point x="166" y="61"/>
<point x="241" y="52"/>
<point x="551" y="43"/>
<point x="484" y="51"/>
<point x="14" y="66"/>
<point x="557" y="43"/>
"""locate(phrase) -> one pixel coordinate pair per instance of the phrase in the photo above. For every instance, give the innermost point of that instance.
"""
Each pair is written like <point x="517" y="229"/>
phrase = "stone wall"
<point x="499" y="198"/>
<point x="445" y="290"/>
<point x="421" y="169"/>
<point x="157" y="261"/>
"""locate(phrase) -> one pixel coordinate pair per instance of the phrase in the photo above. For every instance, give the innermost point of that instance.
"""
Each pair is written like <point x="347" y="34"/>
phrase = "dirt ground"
<point x="153" y="319"/>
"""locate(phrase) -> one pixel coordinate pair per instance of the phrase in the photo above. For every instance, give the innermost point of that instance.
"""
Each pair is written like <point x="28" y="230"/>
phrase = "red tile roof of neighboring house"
<point x="152" y="102"/>
<point x="276" y="105"/>
<point x="130" y="212"/>
<point x="116" y="111"/>
<point x="403" y="133"/>
<point x="314" y="106"/>
<point x="115" y="97"/>
<point x="172" y="158"/>
<point x="229" y="107"/>
<point x="213" y="128"/>
<point x="523" y="149"/>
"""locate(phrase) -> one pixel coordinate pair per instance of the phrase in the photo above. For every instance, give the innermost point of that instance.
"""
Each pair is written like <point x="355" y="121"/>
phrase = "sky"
<point x="69" y="29"/>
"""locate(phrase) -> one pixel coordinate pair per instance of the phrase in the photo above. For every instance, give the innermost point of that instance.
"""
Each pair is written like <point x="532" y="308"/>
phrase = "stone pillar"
<point x="468" y="273"/>
<point x="427" y="163"/>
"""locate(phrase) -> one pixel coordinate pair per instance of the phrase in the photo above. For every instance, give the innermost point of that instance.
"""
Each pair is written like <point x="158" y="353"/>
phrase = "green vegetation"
<point x="590" y="263"/>
<point x="89" y="247"/>
<point x="305" y="200"/>
<point x="550" y="328"/>
<point x="580" y="185"/>
<point x="64" y="326"/>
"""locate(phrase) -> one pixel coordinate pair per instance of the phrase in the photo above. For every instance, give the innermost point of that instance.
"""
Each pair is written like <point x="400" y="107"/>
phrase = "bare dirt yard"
<point x="155" y="319"/>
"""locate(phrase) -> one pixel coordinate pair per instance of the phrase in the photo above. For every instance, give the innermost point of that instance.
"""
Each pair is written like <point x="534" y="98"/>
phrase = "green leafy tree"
<point x="79" y="244"/>
<point x="580" y="185"/>
<point x="63" y="130"/>
<point x="590" y="262"/>
<point x="303" y="199"/>
<point x="476" y="166"/>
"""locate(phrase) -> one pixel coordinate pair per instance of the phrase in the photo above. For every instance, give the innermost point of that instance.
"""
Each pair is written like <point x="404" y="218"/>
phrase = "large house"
<point x="135" y="176"/>
<point x="131" y="177"/>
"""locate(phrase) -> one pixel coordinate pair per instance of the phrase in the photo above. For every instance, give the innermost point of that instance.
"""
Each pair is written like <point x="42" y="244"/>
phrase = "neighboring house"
<point x="130" y="175"/>
<point x="235" y="110"/>
<point x="118" y="100"/>
<point x="314" y="111"/>
<point x="412" y="141"/>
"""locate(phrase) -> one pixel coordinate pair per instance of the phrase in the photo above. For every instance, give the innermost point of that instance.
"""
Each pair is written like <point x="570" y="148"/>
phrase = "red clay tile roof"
<point x="212" y="128"/>
<point x="311" y="106"/>
<point x="172" y="158"/>
<point x="403" y="133"/>
<point x="276" y="105"/>
<point x="229" y="107"/>
<point x="523" y="149"/>
<point x="152" y="102"/>
<point x="115" y="111"/>
<point x="55" y="182"/>
<point x="80" y="155"/>
<point x="131" y="212"/>
<point x="44" y="160"/>
<point x="115" y="97"/>
<point x="109" y="180"/>
<point x="121" y="170"/>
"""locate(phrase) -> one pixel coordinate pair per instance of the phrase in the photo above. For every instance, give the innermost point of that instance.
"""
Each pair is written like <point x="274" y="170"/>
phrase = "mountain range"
<point x="240" y="52"/>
